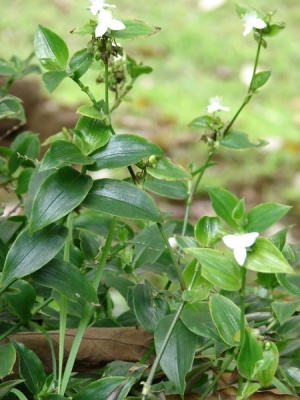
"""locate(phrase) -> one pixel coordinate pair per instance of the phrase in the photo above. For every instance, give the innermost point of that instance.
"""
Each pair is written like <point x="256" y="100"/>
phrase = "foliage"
<point x="78" y="238"/>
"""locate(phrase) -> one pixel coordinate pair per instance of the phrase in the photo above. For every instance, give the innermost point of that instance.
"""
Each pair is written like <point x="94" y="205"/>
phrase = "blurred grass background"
<point x="200" y="52"/>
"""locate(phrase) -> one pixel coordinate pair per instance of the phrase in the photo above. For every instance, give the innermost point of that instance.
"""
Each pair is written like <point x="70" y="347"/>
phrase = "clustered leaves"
<point x="78" y="240"/>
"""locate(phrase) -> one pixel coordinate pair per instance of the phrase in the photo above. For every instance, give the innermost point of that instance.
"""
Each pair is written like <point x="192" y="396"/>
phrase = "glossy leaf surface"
<point x="179" y="354"/>
<point x="122" y="199"/>
<point x="8" y="358"/>
<point x="134" y="29"/>
<point x="236" y="140"/>
<point x="30" y="252"/>
<point x="58" y="195"/>
<point x="166" y="169"/>
<point x="265" y="215"/>
<point x="21" y="299"/>
<point x="90" y="134"/>
<point x="123" y="150"/>
<point x="223" y="203"/>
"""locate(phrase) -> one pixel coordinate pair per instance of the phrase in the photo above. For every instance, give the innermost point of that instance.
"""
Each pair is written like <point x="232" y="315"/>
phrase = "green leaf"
<point x="149" y="244"/>
<point x="11" y="107"/>
<point x="165" y="168"/>
<point x="265" y="257"/>
<point x="270" y="357"/>
<point x="203" y="122"/>
<point x="91" y="112"/>
<point x="80" y="62"/>
<point x="135" y="70"/>
<point x="67" y="280"/>
<point x="21" y="299"/>
<point x="8" y="359"/>
<point x="150" y="306"/>
<point x="90" y="134"/>
<point x="86" y="29"/>
<point x="23" y="181"/>
<point x="223" y="203"/>
<point x="203" y="326"/>
<point x="179" y="353"/>
<point x="50" y="49"/>
<point x="6" y="387"/>
<point x="259" y="80"/>
<point x="58" y="195"/>
<point x="26" y="146"/>
<point x="114" y="388"/>
<point x="284" y="309"/>
<point x="208" y="230"/>
<point x="265" y="215"/>
<point x="30" y="368"/>
<point x="30" y="252"/>
<point x="134" y="30"/>
<point x="251" y="352"/>
<point x="123" y="150"/>
<point x="292" y="375"/>
<point x="122" y="199"/>
<point x="239" y="141"/>
<point x="176" y="190"/>
<point x="63" y="153"/>
<point x="226" y="317"/>
<point x="52" y="79"/>
<point x="290" y="283"/>
<point x="217" y="268"/>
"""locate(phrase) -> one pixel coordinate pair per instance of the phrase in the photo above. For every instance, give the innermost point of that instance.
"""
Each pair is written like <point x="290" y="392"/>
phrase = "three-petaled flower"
<point x="215" y="104"/>
<point x="239" y="243"/>
<point x="251" y="20"/>
<point x="98" y="5"/>
<point x="105" y="21"/>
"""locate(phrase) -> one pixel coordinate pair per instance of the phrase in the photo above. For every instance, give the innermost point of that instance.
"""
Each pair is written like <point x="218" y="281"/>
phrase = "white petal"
<point x="231" y="241"/>
<point x="248" y="29"/>
<point x="240" y="254"/>
<point x="248" y="239"/>
<point x="100" y="29"/>
<point x="116" y="25"/>
<point x="259" y="23"/>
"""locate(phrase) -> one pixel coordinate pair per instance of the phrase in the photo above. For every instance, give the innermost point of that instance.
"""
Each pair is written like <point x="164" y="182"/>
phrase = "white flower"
<point x="105" y="21"/>
<point x="98" y="5"/>
<point x="238" y="244"/>
<point x="215" y="104"/>
<point x="250" y="21"/>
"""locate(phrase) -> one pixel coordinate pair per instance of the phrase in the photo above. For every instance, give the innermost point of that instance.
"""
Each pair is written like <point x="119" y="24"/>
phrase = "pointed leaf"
<point x="67" y="280"/>
<point x="177" y="190"/>
<point x="208" y="230"/>
<point x="6" y="387"/>
<point x="30" y="252"/>
<point x="8" y="359"/>
<point x="290" y="283"/>
<point x="265" y="257"/>
<point x="284" y="309"/>
<point x="58" y="195"/>
<point x="217" y="268"/>
<point x="123" y="150"/>
<point x="179" y="353"/>
<point x="50" y="49"/>
<point x="90" y="134"/>
<point x="165" y="168"/>
<point x="52" y="79"/>
<point x="226" y="317"/>
<point x="203" y="122"/>
<point x="223" y="203"/>
<point x="80" y="62"/>
<point x="149" y="305"/>
<point x="63" y="153"/>
<point x="122" y="199"/>
<point x="116" y="387"/>
<point x="11" y="107"/>
<point x="30" y="368"/>
<point x="90" y="112"/>
<point x="265" y="215"/>
<point x="270" y="357"/>
<point x="259" y="80"/>
<point x="250" y="353"/>
<point x="21" y="299"/>
<point x="240" y="141"/>
<point x="134" y="29"/>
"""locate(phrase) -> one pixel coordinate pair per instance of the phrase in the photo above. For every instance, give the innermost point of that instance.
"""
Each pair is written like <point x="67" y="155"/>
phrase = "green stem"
<point x="147" y="385"/>
<point x="64" y="306"/>
<point x="87" y="91"/>
<point x="249" y="92"/>
<point x="193" y="190"/>
<point x="20" y="323"/>
<point x="87" y="309"/>
<point x="5" y="287"/>
<point x="106" y="89"/>
<point x="242" y="321"/>
<point x="175" y="263"/>
<point x="220" y="373"/>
